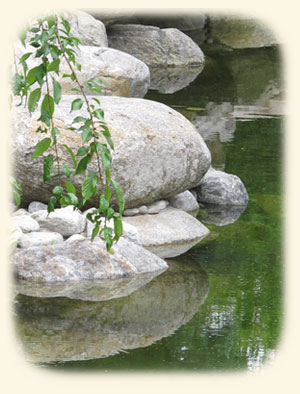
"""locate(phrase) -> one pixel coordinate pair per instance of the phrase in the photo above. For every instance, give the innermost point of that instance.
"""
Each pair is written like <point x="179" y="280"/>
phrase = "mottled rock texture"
<point x="155" y="46"/>
<point x="158" y="152"/>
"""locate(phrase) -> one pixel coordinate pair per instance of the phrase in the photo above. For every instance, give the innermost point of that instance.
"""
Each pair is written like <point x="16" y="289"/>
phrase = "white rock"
<point x="65" y="221"/>
<point x="20" y="212"/>
<point x="143" y="209"/>
<point x="35" y="206"/>
<point x="26" y="223"/>
<point x="40" y="239"/>
<point x="184" y="201"/>
<point x="169" y="233"/>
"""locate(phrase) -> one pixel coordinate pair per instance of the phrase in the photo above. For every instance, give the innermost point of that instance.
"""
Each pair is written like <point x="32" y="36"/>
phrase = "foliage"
<point x="51" y="41"/>
<point x="17" y="191"/>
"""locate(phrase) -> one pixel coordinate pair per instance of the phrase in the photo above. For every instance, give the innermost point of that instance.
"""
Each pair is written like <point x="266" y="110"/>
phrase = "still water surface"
<point x="219" y="306"/>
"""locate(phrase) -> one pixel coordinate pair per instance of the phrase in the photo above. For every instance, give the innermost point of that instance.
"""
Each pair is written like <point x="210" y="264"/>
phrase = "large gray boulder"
<point x="220" y="188"/>
<point x="88" y="29"/>
<point x="88" y="261"/>
<point x="158" y="152"/>
<point x="122" y="74"/>
<point x="169" y="233"/>
<point x="155" y="46"/>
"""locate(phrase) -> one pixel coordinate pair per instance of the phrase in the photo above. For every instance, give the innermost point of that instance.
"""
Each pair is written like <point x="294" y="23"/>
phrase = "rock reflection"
<point x="221" y="215"/>
<point x="86" y="290"/>
<point x="169" y="80"/>
<point x="218" y="123"/>
<point x="61" y="329"/>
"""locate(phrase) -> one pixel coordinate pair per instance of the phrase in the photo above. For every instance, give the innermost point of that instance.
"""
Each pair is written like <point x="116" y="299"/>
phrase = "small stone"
<point x="35" y="206"/>
<point x="143" y="210"/>
<point x="65" y="221"/>
<point x="184" y="201"/>
<point x="26" y="223"/>
<point x="131" y="212"/>
<point x="157" y="206"/>
<point x="40" y="239"/>
<point x="75" y="238"/>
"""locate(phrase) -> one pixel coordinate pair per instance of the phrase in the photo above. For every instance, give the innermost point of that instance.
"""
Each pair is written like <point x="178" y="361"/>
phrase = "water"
<point x="219" y="306"/>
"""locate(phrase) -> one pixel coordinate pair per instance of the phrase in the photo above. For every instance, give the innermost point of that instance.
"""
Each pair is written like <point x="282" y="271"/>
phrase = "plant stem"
<point x="86" y="102"/>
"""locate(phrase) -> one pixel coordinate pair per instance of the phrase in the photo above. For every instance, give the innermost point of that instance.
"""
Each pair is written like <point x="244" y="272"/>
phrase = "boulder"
<point x="238" y="32"/>
<point x="38" y="239"/>
<point x="155" y="46"/>
<point x="220" y="188"/>
<point x="88" y="29"/>
<point x="122" y="74"/>
<point x="169" y="233"/>
<point x="63" y="262"/>
<point x="158" y="152"/>
<point x="64" y="221"/>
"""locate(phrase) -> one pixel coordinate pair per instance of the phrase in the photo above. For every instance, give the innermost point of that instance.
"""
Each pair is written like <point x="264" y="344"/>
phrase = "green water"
<point x="219" y="306"/>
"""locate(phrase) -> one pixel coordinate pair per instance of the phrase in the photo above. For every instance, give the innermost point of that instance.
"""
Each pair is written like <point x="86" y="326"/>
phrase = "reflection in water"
<point x="62" y="329"/>
<point x="221" y="215"/>
<point x="171" y="79"/>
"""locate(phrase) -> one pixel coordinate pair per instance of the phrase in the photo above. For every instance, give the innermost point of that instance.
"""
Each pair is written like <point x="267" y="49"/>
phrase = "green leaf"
<point x="95" y="231"/>
<point x="108" y="138"/>
<point x="76" y="104"/>
<point x="41" y="147"/>
<point x="17" y="198"/>
<point x="54" y="66"/>
<point x="25" y="57"/>
<point x="71" y="154"/>
<point x="67" y="170"/>
<point x="79" y="119"/>
<point x="103" y="203"/>
<point x="110" y="213"/>
<point x="56" y="91"/>
<point x="82" y="165"/>
<point x="89" y="186"/>
<point x="51" y="204"/>
<point x="16" y="184"/>
<point x="33" y="100"/>
<point x="54" y="132"/>
<point x="36" y="74"/>
<point x="73" y="199"/>
<point x="120" y="196"/>
<point x="82" y="151"/>
<point x="118" y="228"/>
<point x="107" y="193"/>
<point x="87" y="134"/>
<point x="48" y="162"/>
<point x="57" y="191"/>
<point x="96" y="81"/>
<point x="70" y="187"/>
<point x="48" y="105"/>
<point x="99" y="113"/>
